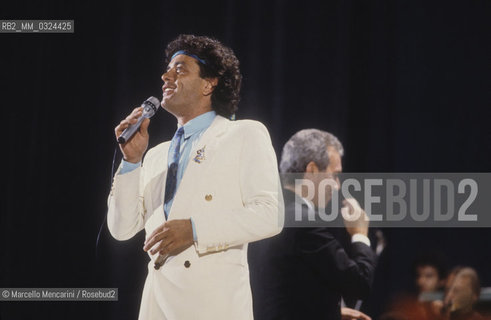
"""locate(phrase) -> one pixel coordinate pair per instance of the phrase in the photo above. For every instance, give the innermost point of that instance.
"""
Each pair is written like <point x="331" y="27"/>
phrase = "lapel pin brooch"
<point x="200" y="156"/>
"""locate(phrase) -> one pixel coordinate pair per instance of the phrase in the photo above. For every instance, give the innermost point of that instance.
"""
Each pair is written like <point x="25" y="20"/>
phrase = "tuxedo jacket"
<point x="302" y="272"/>
<point x="231" y="190"/>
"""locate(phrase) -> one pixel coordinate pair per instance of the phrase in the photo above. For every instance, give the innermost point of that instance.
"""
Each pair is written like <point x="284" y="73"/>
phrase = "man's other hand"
<point x="355" y="218"/>
<point x="170" y="238"/>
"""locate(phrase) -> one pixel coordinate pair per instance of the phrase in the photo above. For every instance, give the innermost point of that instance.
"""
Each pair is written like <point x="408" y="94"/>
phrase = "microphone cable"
<point x="105" y="216"/>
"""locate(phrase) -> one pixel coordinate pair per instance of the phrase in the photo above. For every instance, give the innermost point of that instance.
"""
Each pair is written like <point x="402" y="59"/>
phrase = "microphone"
<point x="150" y="106"/>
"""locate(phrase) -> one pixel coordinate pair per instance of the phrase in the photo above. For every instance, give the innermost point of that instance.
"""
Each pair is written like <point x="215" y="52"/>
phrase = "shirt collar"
<point x="198" y="124"/>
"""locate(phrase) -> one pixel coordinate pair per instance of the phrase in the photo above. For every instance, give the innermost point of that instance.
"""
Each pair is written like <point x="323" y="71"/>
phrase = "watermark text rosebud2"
<point x="390" y="199"/>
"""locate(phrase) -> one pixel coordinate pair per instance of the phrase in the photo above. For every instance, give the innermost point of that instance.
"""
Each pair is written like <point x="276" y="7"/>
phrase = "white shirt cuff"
<point x="358" y="237"/>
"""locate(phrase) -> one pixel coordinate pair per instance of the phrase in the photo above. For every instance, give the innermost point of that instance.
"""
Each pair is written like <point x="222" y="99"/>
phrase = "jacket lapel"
<point x="200" y="159"/>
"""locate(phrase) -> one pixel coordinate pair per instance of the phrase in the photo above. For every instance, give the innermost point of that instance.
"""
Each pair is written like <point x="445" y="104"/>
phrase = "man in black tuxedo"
<point x="303" y="272"/>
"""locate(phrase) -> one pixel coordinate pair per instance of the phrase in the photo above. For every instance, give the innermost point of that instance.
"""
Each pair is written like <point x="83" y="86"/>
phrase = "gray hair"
<point x="305" y="146"/>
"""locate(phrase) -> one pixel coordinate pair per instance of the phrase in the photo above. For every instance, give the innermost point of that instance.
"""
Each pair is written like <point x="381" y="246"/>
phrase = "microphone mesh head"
<point x="151" y="106"/>
<point x="154" y="101"/>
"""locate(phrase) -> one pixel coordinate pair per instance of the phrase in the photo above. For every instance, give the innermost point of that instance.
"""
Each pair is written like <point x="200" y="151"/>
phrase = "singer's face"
<point x="183" y="85"/>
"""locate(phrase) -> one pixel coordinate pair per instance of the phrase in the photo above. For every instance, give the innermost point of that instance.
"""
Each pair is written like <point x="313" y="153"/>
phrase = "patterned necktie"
<point x="171" y="181"/>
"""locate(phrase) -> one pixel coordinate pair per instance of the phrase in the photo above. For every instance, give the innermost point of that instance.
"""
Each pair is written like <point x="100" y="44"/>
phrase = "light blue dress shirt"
<point x="193" y="130"/>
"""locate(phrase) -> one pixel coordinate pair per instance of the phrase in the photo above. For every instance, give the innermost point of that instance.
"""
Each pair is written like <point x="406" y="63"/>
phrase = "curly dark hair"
<point x="221" y="63"/>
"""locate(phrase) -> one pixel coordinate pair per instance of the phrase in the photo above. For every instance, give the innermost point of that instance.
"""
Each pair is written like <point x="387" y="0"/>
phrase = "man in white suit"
<point x="202" y="196"/>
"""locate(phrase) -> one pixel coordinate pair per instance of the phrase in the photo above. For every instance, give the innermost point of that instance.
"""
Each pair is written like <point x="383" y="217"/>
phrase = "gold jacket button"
<point x="208" y="197"/>
<point x="187" y="264"/>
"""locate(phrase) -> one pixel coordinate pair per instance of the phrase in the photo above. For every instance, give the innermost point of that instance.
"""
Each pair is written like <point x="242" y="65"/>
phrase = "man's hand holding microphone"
<point x="173" y="236"/>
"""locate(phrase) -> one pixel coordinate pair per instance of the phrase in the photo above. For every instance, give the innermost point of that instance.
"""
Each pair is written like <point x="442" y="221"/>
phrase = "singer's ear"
<point x="210" y="84"/>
